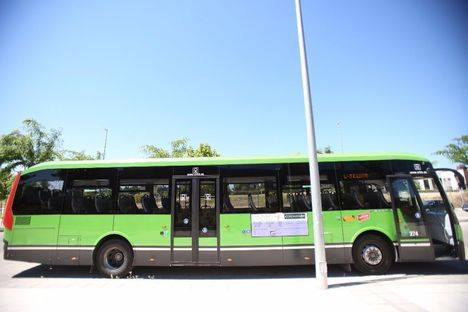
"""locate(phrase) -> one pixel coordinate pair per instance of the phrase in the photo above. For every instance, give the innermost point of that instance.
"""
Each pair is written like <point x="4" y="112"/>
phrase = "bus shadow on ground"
<point x="194" y="273"/>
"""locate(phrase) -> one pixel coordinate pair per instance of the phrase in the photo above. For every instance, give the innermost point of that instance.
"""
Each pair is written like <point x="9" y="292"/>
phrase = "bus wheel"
<point x="372" y="255"/>
<point x="114" y="258"/>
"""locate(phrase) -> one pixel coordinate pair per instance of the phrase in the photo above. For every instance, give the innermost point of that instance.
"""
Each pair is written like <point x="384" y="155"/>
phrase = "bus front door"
<point x="195" y="219"/>
<point x="413" y="242"/>
<point x="441" y="220"/>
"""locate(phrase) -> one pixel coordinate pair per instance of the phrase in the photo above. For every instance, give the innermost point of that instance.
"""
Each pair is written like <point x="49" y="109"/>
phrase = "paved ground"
<point x="408" y="287"/>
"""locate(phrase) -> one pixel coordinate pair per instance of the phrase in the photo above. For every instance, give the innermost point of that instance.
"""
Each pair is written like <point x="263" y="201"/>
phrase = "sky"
<point x="393" y="74"/>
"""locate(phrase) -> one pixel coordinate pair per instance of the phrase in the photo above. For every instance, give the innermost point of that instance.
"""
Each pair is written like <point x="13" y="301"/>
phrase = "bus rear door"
<point x="195" y="219"/>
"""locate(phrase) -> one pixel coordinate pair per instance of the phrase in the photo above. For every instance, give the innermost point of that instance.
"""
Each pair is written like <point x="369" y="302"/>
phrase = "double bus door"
<point x="413" y="239"/>
<point x="195" y="220"/>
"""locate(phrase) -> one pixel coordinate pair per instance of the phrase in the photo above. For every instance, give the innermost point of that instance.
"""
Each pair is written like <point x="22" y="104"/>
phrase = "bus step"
<point x="193" y="264"/>
<point x="445" y="258"/>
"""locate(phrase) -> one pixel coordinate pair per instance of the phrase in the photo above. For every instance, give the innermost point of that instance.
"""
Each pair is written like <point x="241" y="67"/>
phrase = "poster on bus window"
<point x="279" y="224"/>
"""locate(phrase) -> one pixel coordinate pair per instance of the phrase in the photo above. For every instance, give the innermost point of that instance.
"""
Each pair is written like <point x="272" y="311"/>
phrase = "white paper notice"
<point x="279" y="224"/>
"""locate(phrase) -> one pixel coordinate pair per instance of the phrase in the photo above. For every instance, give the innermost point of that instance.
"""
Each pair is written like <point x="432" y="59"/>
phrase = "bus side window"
<point x="296" y="187"/>
<point x="296" y="197"/>
<point x="328" y="194"/>
<point x="143" y="191"/>
<point x="363" y="185"/>
<point x="40" y="192"/>
<point x="143" y="196"/>
<point x="89" y="197"/>
<point x="90" y="191"/>
<point x="249" y="196"/>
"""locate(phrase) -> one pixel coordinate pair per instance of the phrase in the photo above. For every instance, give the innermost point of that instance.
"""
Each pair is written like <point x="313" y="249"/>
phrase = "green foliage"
<point x="456" y="152"/>
<point x="180" y="148"/>
<point x="34" y="145"/>
<point x="6" y="179"/>
<point x="22" y="149"/>
<point x="327" y="150"/>
<point x="74" y="155"/>
<point x="155" y="152"/>
<point x="203" y="150"/>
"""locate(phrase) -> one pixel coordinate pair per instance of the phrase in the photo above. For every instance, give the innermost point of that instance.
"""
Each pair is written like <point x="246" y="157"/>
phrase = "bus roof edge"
<point x="206" y="161"/>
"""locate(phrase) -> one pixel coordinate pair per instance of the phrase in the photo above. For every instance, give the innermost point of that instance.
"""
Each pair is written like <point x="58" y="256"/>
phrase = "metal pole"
<point x="319" y="245"/>
<point x="340" y="132"/>
<point x="105" y="145"/>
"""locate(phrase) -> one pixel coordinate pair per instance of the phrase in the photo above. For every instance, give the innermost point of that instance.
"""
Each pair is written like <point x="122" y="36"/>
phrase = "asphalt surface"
<point x="407" y="287"/>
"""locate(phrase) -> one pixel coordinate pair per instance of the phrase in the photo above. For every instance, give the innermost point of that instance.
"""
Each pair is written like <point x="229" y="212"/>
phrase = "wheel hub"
<point x="118" y="257"/>
<point x="372" y="255"/>
<point x="114" y="258"/>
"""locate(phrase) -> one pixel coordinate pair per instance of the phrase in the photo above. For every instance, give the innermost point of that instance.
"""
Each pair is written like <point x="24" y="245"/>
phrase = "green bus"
<point x="252" y="211"/>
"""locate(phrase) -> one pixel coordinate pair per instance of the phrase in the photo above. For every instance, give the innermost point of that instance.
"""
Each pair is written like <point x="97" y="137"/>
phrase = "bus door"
<point x="195" y="220"/>
<point x="440" y="218"/>
<point x="413" y="242"/>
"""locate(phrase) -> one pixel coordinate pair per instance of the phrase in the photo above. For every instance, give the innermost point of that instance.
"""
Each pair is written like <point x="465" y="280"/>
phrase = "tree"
<point x="456" y="152"/>
<point x="74" y="155"/>
<point x="33" y="144"/>
<point x="25" y="149"/>
<point x="327" y="150"/>
<point x="22" y="149"/>
<point x="6" y="179"/>
<point x="180" y="148"/>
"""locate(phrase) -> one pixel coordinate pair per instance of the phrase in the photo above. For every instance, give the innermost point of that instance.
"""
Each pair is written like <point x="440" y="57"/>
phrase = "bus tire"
<point x="372" y="255"/>
<point x="114" y="258"/>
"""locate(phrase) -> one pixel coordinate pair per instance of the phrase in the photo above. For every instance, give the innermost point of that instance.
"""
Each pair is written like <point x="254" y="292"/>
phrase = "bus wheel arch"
<point x="110" y="249"/>
<point x="373" y="252"/>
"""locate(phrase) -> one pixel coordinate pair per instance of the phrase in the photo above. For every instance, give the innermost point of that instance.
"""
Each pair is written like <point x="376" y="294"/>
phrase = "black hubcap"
<point x="114" y="258"/>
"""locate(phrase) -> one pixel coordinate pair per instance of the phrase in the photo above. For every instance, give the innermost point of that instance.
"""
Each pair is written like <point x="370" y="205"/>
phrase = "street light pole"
<point x="340" y="133"/>
<point x="105" y="144"/>
<point x="319" y="245"/>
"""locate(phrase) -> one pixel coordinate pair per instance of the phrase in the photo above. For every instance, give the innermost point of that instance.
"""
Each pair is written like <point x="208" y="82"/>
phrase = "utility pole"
<point x="340" y="133"/>
<point x="105" y="144"/>
<point x="319" y="244"/>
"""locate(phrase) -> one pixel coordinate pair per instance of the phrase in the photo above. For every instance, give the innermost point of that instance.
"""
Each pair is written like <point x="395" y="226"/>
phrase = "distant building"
<point x="447" y="179"/>
<point x="463" y="171"/>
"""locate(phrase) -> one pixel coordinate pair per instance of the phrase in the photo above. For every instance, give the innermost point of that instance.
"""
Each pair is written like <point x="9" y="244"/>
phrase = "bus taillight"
<point x="8" y="215"/>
